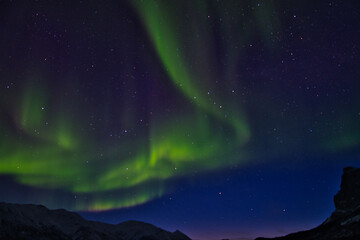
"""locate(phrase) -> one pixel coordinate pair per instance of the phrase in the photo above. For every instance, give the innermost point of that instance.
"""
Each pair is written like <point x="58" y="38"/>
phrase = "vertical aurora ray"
<point x="160" y="21"/>
<point x="32" y="114"/>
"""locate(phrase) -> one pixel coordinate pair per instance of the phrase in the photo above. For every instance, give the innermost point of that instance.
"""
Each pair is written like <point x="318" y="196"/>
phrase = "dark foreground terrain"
<point x="344" y="222"/>
<point x="29" y="222"/>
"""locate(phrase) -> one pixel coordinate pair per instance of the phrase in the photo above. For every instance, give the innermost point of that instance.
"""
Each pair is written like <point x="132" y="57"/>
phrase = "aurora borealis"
<point x="111" y="107"/>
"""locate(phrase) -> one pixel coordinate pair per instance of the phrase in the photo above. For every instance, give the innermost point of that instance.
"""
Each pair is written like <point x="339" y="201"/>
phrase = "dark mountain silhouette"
<point x="344" y="222"/>
<point x="28" y="222"/>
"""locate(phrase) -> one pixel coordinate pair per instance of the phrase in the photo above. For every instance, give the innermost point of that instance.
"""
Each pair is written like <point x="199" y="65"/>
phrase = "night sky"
<point x="224" y="119"/>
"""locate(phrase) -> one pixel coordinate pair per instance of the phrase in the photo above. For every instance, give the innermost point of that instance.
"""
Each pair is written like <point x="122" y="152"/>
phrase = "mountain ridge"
<point x="29" y="221"/>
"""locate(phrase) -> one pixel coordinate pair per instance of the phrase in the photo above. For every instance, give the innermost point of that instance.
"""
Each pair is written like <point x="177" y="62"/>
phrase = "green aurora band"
<point x="46" y="149"/>
<point x="45" y="142"/>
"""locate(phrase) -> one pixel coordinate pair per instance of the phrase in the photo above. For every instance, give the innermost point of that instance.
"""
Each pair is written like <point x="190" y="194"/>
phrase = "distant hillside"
<point x="29" y="222"/>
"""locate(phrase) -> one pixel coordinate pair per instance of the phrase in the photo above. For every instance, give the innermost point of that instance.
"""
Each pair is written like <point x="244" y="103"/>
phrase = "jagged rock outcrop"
<point x="348" y="198"/>
<point x="28" y="222"/>
<point x="344" y="222"/>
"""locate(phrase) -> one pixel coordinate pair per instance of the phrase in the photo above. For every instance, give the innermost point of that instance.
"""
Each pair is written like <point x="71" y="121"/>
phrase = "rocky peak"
<point x="348" y="198"/>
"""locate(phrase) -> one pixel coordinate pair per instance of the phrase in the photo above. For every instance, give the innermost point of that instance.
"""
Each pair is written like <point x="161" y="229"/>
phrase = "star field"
<point x="232" y="116"/>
